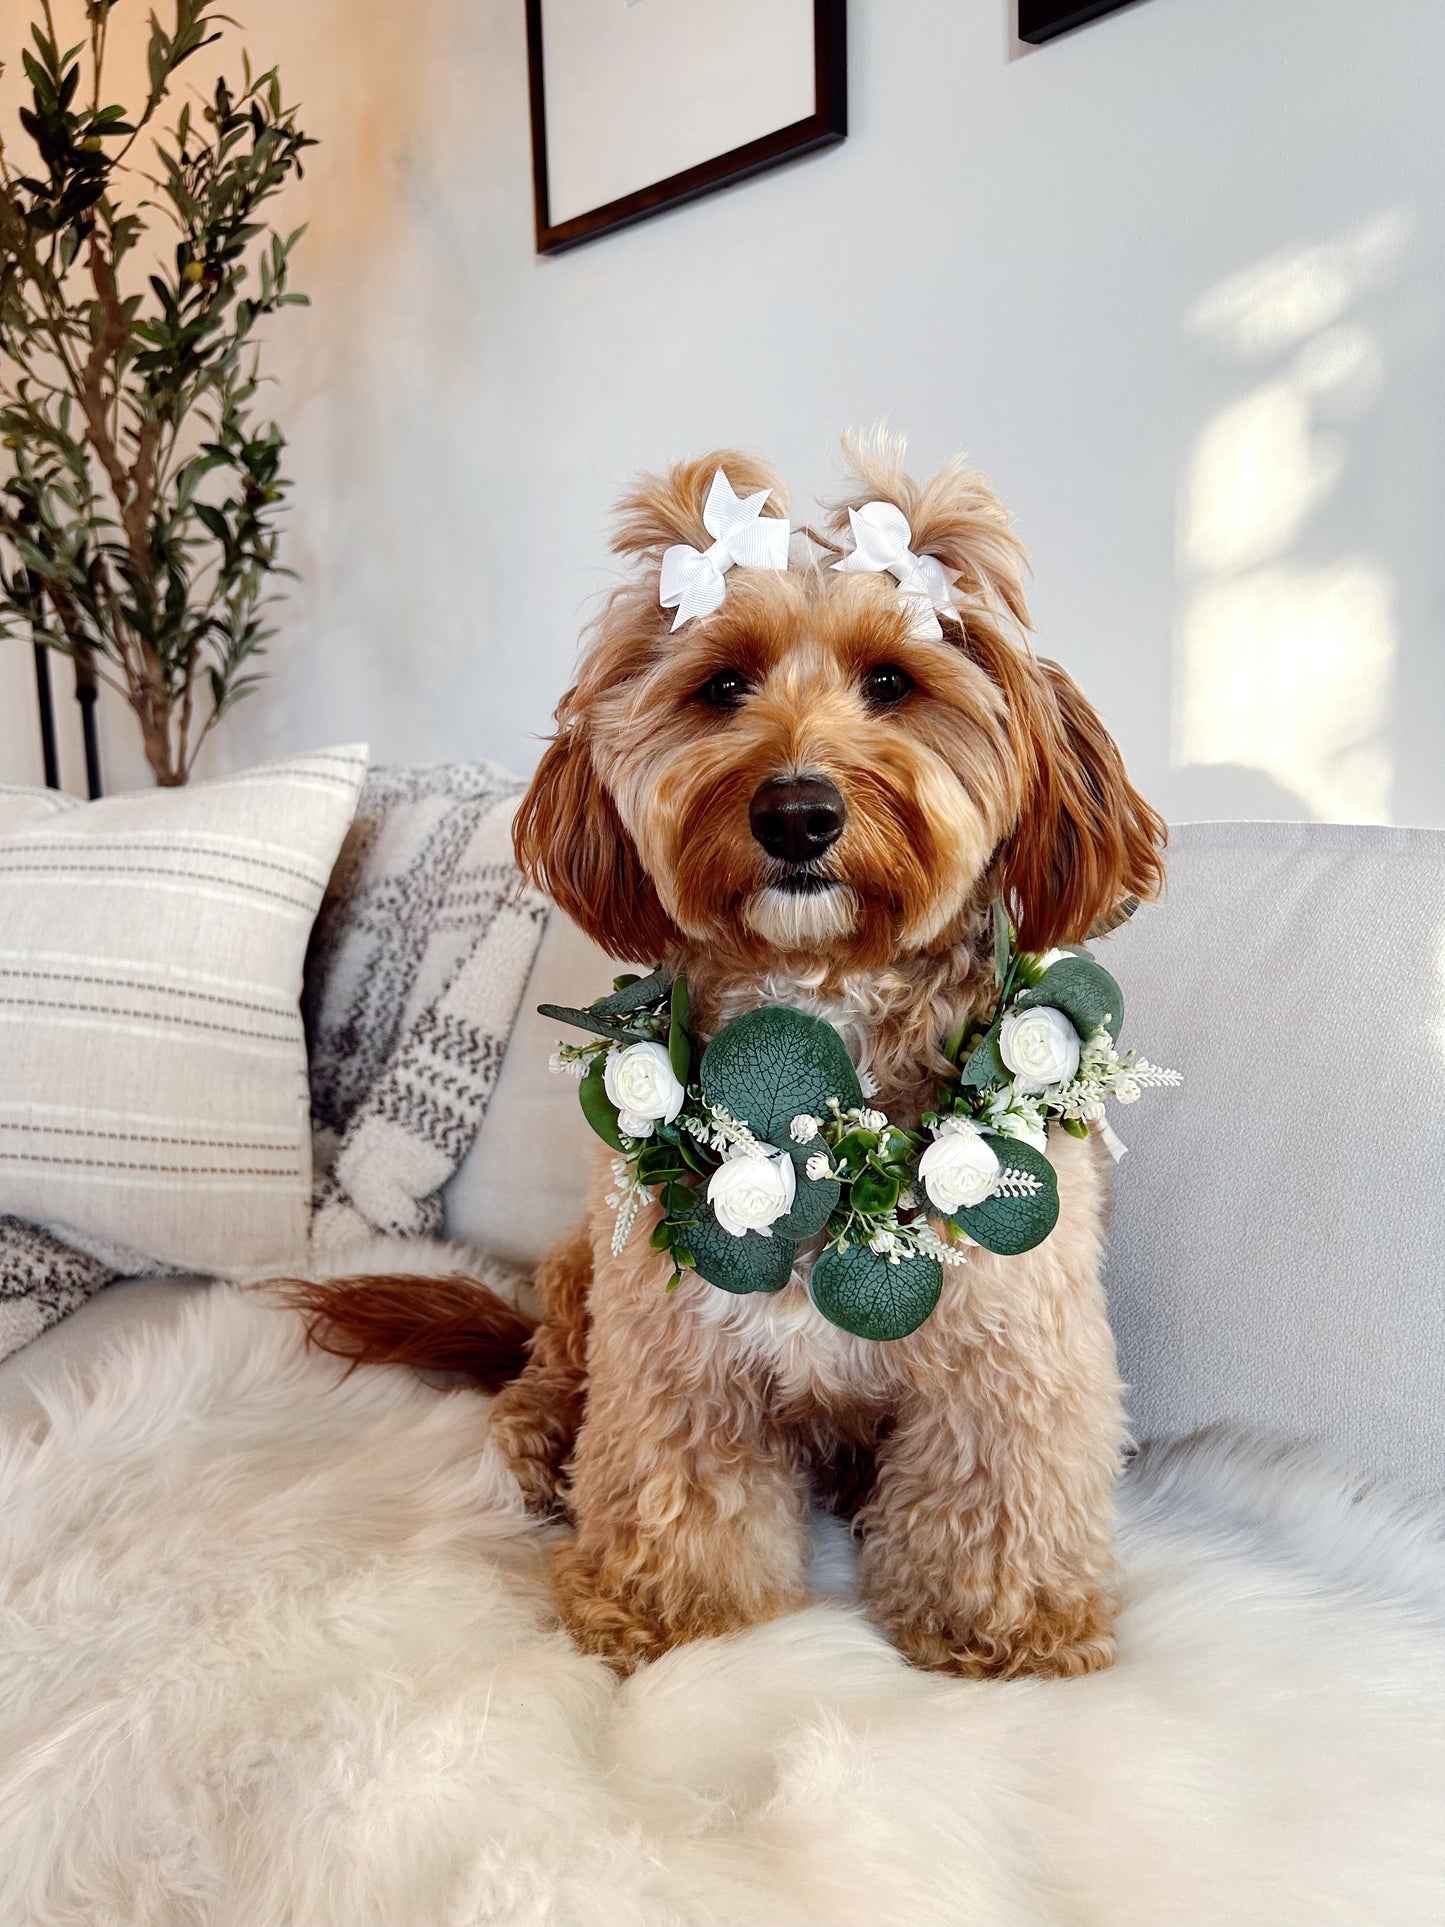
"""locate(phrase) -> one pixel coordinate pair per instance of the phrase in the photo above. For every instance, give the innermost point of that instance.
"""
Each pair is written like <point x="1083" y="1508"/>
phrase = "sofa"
<point x="1276" y="1251"/>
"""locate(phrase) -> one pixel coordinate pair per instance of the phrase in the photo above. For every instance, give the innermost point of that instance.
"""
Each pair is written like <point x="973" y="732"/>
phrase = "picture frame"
<point x="1041" y="20"/>
<point x="598" y="114"/>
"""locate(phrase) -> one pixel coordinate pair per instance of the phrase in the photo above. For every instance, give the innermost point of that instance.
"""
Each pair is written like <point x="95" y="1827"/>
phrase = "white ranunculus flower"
<point x="958" y="1169"/>
<point x="1029" y="1129"/>
<point x="1040" y="1046"/>
<point x="751" y="1189"/>
<point x="640" y="1080"/>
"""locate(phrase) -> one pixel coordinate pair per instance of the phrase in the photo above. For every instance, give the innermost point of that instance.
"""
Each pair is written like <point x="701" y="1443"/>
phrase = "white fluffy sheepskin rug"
<point x="277" y="1648"/>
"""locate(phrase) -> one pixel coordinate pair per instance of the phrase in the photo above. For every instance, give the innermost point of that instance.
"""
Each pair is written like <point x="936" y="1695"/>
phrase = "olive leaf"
<point x="775" y="1064"/>
<point x="679" y="1040"/>
<point x="641" y="994"/>
<point x="865" y="1293"/>
<point x="588" y="1020"/>
<point x="598" y="1108"/>
<point x="1113" y="919"/>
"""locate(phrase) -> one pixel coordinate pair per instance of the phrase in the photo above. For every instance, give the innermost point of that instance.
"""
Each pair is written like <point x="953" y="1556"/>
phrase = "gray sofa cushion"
<point x="1276" y="1249"/>
<point x="79" y="1340"/>
<point x="1276" y="1255"/>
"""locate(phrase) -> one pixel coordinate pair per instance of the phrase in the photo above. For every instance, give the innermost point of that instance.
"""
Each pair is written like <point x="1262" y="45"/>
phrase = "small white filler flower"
<point x="640" y="1080"/>
<point x="804" y="1128"/>
<point x="751" y="1189"/>
<point x="1040" y="1046"/>
<point x="959" y="1169"/>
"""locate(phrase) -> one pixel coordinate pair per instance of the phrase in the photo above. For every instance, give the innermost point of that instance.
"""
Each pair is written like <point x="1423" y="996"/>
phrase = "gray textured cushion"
<point x="1276" y="1250"/>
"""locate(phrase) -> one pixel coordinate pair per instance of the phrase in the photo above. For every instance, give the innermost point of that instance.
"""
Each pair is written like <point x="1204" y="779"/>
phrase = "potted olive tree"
<point x="142" y="486"/>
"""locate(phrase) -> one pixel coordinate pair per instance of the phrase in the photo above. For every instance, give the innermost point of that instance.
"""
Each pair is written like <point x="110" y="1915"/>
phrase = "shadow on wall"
<point x="1284" y="664"/>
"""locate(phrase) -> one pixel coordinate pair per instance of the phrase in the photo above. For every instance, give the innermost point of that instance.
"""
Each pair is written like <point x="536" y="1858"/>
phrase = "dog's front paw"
<point x="607" y="1624"/>
<point x="1060" y="1639"/>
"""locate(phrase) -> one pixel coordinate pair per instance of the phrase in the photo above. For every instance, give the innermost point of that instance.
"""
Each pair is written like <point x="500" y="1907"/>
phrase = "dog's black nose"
<point x="797" y="818"/>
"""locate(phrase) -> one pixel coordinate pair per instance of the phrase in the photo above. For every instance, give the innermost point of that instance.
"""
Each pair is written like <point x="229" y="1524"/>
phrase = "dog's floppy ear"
<point x="662" y="509"/>
<point x="570" y="841"/>
<point x="1086" y="839"/>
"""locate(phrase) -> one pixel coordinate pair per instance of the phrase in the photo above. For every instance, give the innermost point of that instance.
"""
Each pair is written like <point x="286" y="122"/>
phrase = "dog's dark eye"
<point x="725" y="690"/>
<point x="886" y="685"/>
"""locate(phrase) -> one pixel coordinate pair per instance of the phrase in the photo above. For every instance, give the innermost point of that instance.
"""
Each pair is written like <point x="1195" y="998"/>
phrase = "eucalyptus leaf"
<point x="985" y="1066"/>
<point x="598" y="1108"/>
<point x="813" y="1205"/>
<point x="588" y="1020"/>
<point x="641" y="994"/>
<point x="774" y="1064"/>
<point x="1011" y="1225"/>
<point x="1084" y="991"/>
<point x="867" y="1294"/>
<point x="747" y="1264"/>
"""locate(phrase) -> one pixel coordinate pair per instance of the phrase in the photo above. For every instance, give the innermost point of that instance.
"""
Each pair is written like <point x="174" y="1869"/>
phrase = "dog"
<point x="797" y="798"/>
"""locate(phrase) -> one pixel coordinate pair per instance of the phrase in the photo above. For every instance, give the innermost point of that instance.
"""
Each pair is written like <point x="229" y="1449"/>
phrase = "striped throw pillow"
<point x="153" y="1087"/>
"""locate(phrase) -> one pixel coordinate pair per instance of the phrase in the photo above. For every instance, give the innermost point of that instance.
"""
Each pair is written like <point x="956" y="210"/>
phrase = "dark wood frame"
<point x="1041" y="20"/>
<point x="827" y="123"/>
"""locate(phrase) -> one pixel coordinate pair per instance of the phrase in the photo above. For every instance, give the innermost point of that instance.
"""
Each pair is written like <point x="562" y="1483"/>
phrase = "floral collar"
<point x="765" y="1138"/>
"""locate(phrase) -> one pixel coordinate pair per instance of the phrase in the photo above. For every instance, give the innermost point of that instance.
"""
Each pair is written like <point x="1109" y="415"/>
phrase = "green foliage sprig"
<point x="774" y="1104"/>
<point x="139" y="518"/>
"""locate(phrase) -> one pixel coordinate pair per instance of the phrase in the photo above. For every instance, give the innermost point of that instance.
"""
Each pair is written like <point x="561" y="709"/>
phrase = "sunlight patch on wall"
<point x="1293" y="294"/>
<point x="1282" y="667"/>
<point x="1256" y="474"/>
<point x="1288" y="671"/>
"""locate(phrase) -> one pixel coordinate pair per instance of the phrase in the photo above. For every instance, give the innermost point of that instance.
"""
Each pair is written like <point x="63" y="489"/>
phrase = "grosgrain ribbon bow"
<point x="883" y="544"/>
<point x="692" y="579"/>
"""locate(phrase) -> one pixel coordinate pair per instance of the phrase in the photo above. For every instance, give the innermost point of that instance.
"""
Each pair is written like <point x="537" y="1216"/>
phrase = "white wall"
<point x="1177" y="281"/>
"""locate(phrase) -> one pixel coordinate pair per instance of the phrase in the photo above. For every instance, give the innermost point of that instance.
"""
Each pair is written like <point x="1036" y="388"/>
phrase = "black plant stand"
<point x="87" y="693"/>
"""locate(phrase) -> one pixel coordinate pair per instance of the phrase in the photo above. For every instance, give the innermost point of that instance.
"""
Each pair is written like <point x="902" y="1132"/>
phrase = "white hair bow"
<point x="883" y="543"/>
<point x="692" y="579"/>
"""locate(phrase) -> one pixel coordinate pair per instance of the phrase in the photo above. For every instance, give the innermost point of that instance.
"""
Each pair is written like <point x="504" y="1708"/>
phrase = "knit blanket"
<point x="414" y="977"/>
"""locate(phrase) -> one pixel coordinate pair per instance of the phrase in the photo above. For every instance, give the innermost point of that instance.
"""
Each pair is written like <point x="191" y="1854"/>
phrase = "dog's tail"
<point x="454" y="1324"/>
